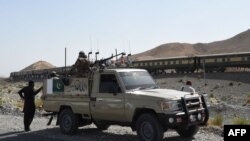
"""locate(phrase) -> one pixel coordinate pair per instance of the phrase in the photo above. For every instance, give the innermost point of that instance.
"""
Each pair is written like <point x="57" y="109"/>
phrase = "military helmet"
<point x="82" y="54"/>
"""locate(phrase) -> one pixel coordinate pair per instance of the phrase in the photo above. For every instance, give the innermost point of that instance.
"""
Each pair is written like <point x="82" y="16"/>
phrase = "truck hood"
<point x="163" y="93"/>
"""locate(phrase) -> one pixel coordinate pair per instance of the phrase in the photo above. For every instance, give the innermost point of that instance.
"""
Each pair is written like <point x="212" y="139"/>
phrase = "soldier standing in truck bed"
<point x="81" y="66"/>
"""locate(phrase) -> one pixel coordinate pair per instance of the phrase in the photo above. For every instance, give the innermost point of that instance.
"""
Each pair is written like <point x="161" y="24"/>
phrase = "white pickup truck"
<point x="126" y="97"/>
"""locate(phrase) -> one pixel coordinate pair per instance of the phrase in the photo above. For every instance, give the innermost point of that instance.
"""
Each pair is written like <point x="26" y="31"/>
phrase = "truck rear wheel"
<point x="68" y="122"/>
<point x="188" y="132"/>
<point x="148" y="128"/>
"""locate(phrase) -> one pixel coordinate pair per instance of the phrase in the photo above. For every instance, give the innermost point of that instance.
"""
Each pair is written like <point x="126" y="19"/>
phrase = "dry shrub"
<point x="241" y="121"/>
<point x="217" y="120"/>
<point x="248" y="99"/>
<point x="164" y="82"/>
<point x="39" y="103"/>
<point x="1" y="101"/>
<point x="19" y="104"/>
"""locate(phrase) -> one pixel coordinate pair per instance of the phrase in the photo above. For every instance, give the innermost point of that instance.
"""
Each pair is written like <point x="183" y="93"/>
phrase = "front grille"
<point x="193" y="107"/>
<point x="193" y="104"/>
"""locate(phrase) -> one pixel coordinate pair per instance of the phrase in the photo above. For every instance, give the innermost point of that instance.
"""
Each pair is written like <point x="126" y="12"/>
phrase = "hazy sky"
<point x="33" y="30"/>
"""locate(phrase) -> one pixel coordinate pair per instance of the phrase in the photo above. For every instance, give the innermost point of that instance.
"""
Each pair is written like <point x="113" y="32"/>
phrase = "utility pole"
<point x="65" y="59"/>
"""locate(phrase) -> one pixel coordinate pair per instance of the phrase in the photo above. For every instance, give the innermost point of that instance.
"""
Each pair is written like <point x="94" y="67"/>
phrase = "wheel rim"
<point x="66" y="122"/>
<point x="147" y="130"/>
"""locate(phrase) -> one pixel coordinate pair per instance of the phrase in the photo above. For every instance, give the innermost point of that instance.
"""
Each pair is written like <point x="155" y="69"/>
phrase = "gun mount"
<point x="101" y="63"/>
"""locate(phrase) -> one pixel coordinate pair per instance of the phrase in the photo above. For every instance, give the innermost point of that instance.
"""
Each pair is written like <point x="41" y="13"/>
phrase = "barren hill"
<point x="238" y="43"/>
<point x="39" y="65"/>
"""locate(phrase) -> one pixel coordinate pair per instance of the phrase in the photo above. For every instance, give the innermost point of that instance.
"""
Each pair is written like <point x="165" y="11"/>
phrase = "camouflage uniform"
<point x="81" y="66"/>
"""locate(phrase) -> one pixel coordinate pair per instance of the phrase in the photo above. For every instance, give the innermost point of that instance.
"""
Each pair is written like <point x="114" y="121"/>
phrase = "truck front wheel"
<point x="148" y="128"/>
<point x="188" y="132"/>
<point x="68" y="122"/>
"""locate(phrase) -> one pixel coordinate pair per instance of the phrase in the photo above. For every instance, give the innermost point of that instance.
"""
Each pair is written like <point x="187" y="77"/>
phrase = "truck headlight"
<point x="170" y="105"/>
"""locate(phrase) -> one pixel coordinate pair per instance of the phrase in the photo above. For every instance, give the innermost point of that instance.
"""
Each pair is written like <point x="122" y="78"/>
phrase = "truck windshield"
<point x="137" y="80"/>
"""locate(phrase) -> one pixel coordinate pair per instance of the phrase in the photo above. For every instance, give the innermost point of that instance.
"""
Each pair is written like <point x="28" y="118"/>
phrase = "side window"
<point x="109" y="84"/>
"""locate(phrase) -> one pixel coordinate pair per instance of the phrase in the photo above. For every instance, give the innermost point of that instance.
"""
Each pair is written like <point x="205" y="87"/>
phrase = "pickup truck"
<point x="126" y="97"/>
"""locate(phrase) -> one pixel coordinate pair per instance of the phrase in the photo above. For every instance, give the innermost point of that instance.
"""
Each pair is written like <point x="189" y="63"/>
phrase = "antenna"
<point x="124" y="46"/>
<point x="96" y="53"/>
<point x="90" y="41"/>
<point x="89" y="54"/>
<point x="116" y="55"/>
<point x="129" y="47"/>
<point x="97" y="43"/>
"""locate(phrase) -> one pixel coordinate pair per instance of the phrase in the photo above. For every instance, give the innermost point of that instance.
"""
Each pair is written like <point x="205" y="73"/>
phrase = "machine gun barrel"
<point x="100" y="62"/>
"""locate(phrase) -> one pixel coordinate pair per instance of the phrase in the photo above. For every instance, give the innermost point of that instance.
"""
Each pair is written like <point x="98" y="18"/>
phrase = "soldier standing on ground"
<point x="28" y="95"/>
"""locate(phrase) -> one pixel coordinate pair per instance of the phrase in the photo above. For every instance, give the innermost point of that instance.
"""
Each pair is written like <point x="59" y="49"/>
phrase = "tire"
<point x="148" y="128"/>
<point x="68" y="122"/>
<point x="188" y="132"/>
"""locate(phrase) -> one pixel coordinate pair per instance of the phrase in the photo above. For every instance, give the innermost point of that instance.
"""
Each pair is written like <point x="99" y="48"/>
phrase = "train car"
<point x="219" y="62"/>
<point x="183" y="64"/>
<point x="38" y="75"/>
<point x="179" y="64"/>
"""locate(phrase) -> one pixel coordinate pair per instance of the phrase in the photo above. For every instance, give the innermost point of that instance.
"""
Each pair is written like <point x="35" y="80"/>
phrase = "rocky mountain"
<point x="238" y="43"/>
<point x="38" y="65"/>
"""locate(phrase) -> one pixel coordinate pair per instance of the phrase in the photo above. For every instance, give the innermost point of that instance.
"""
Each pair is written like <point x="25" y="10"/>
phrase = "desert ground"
<point x="228" y="95"/>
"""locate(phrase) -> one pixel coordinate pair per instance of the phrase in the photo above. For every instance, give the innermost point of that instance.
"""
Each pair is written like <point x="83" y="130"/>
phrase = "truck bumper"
<point x="187" y="117"/>
<point x="180" y="119"/>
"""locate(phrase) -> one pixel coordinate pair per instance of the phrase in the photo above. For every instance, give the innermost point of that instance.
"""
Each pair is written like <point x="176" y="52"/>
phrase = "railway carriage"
<point x="183" y="64"/>
<point x="219" y="62"/>
<point x="179" y="64"/>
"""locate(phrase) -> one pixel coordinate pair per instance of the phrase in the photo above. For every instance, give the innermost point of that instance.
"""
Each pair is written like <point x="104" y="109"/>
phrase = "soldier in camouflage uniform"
<point x="81" y="66"/>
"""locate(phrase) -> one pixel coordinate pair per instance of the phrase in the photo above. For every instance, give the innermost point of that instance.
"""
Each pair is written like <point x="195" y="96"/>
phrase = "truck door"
<point x="109" y="101"/>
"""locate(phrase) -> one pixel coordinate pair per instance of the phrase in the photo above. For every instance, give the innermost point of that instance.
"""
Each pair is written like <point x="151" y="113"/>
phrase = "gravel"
<point x="91" y="133"/>
<point x="228" y="93"/>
